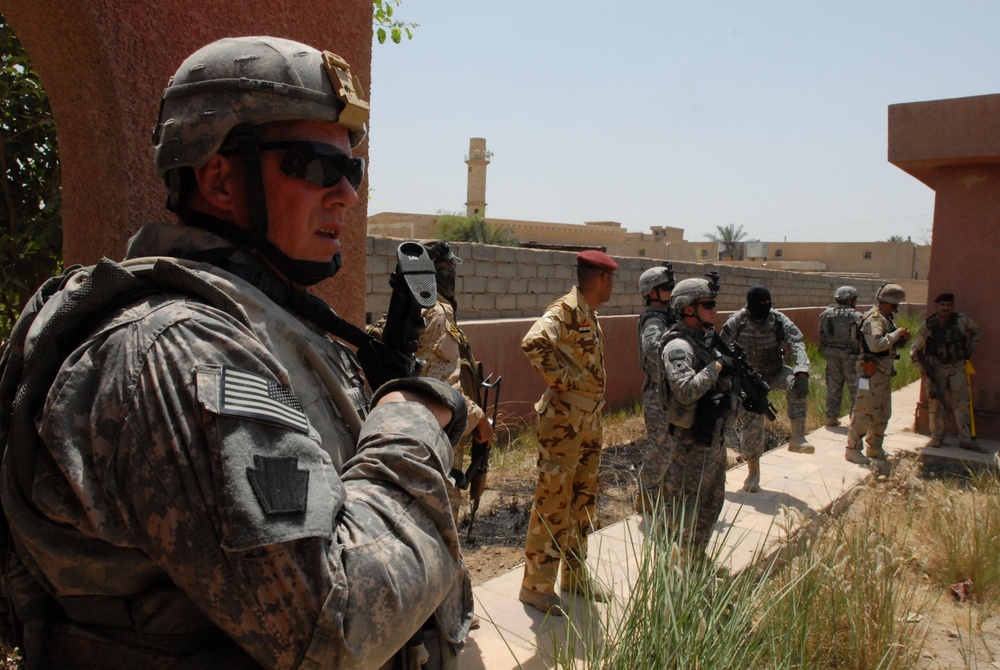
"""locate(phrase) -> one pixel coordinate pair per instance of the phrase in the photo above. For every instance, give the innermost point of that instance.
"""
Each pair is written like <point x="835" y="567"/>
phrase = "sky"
<point x="771" y="115"/>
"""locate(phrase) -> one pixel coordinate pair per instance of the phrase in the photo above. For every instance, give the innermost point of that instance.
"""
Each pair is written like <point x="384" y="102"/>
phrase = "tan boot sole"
<point x="547" y="603"/>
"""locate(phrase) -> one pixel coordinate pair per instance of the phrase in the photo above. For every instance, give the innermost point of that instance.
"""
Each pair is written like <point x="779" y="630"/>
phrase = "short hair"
<point x="587" y="274"/>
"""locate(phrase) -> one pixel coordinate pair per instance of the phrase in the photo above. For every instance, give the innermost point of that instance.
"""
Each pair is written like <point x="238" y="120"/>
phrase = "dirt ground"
<point x="496" y="546"/>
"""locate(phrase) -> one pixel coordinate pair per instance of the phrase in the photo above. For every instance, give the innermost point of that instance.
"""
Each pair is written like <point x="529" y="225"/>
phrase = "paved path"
<point x="794" y="487"/>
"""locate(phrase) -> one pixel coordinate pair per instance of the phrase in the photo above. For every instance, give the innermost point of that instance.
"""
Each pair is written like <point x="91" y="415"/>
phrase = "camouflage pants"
<point x="952" y="380"/>
<point x="694" y="488"/>
<point x="841" y="370"/>
<point x="656" y="454"/>
<point x="872" y="410"/>
<point x="569" y="455"/>
<point x="454" y="493"/>
<point x="750" y="426"/>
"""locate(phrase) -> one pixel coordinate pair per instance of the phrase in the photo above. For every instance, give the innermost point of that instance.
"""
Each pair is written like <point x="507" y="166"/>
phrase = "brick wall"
<point x="512" y="283"/>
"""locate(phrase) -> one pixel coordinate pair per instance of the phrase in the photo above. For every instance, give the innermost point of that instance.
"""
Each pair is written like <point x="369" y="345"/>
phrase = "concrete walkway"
<point x="794" y="487"/>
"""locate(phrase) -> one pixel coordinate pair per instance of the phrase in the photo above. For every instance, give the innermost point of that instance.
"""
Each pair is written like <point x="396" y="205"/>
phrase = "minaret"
<point x="477" y="159"/>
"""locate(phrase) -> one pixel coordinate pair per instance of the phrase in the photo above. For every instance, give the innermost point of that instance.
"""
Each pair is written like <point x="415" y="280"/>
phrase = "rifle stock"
<point x="475" y="476"/>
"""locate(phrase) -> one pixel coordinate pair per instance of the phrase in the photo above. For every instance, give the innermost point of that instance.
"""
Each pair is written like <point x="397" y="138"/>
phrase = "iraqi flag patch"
<point x="584" y="327"/>
<point x="254" y="396"/>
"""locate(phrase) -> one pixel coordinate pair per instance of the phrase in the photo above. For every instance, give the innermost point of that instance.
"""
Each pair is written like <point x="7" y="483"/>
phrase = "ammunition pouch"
<point x="711" y="407"/>
<point x="869" y="366"/>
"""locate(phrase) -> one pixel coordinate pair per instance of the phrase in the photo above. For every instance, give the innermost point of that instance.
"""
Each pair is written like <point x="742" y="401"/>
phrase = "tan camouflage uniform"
<point x="873" y="405"/>
<point x="440" y="347"/>
<point x="566" y="348"/>
<point x="947" y="364"/>
<point x="158" y="502"/>
<point x="694" y="481"/>
<point x="652" y="326"/>
<point x="766" y="351"/>
<point x="838" y="326"/>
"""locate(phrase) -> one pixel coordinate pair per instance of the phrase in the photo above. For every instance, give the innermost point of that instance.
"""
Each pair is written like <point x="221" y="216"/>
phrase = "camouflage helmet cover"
<point x="689" y="291"/>
<point x="251" y="81"/>
<point x="845" y="293"/>
<point x="891" y="293"/>
<point x="654" y="277"/>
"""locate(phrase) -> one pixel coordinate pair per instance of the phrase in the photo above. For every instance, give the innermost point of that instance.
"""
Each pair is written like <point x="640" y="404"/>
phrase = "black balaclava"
<point x="758" y="302"/>
<point x="445" y="275"/>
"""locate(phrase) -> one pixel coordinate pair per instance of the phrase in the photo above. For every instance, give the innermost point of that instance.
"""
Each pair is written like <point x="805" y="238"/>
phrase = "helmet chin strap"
<point x="303" y="273"/>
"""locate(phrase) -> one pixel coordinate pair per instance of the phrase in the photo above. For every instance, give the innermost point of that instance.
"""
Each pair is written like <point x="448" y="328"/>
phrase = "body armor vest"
<point x="946" y="341"/>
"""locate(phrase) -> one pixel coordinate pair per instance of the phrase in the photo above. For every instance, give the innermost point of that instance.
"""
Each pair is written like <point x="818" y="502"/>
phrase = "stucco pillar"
<point x="104" y="64"/>
<point x="953" y="146"/>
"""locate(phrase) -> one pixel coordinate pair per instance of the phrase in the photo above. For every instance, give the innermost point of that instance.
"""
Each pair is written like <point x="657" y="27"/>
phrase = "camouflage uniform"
<point x="653" y="324"/>
<point x="838" y="328"/>
<point x="441" y="345"/>
<point x="694" y="481"/>
<point x="161" y="517"/>
<point x="766" y="344"/>
<point x="873" y="405"/>
<point x="942" y="350"/>
<point x="566" y="347"/>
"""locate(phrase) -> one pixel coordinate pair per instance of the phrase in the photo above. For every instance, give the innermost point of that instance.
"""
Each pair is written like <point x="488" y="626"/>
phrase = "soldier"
<point x="879" y="340"/>
<point x="698" y="406"/>
<point x="566" y="348"/>
<point x="655" y="286"/>
<point x="448" y="356"/>
<point x="201" y="499"/>
<point x="768" y="336"/>
<point x="838" y="336"/>
<point x="943" y="344"/>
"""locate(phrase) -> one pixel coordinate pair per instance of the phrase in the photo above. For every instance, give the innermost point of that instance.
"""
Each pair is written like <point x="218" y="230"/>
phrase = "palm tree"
<point x="728" y="236"/>
<point x="462" y="228"/>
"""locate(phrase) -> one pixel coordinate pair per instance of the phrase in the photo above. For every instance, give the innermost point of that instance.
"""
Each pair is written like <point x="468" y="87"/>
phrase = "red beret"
<point x="597" y="259"/>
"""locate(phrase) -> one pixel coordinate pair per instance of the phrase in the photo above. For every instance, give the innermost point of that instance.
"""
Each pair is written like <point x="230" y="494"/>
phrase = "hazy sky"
<point x="770" y="115"/>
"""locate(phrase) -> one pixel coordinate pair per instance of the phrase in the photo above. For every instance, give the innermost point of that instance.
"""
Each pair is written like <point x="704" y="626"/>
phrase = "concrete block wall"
<point x="514" y="283"/>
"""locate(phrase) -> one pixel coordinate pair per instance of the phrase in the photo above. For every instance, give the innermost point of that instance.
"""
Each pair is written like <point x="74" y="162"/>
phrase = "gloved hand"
<point x="436" y="391"/>
<point x="727" y="364"/>
<point x="800" y="386"/>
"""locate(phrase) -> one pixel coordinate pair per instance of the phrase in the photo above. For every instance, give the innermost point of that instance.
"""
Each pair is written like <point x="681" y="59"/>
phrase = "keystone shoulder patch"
<point x="278" y="484"/>
<point x="254" y="396"/>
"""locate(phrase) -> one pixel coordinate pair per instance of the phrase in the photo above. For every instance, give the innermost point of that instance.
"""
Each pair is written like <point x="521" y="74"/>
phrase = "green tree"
<point x="386" y="26"/>
<point x="896" y="238"/>
<point x="30" y="221"/>
<point x="728" y="236"/>
<point x="463" y="228"/>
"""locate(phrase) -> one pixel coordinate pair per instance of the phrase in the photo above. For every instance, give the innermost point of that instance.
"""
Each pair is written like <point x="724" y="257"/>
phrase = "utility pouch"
<point x="869" y="367"/>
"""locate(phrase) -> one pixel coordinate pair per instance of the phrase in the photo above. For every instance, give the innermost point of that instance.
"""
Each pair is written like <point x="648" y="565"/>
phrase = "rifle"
<point x="474" y="477"/>
<point x="936" y="391"/>
<point x="414" y="288"/>
<point x="751" y="388"/>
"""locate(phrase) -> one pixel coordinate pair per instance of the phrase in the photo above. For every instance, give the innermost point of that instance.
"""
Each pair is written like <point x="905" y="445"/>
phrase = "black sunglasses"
<point x="707" y="304"/>
<point x="318" y="163"/>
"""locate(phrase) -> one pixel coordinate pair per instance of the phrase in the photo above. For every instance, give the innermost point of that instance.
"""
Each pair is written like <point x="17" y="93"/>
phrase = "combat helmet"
<point x="688" y="292"/>
<point x="845" y="294"/>
<point x="223" y="93"/>
<point x="890" y="293"/>
<point x="659" y="276"/>
<point x="441" y="251"/>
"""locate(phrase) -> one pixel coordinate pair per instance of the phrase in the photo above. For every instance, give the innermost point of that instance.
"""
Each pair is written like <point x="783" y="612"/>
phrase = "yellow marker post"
<point x="969" y="371"/>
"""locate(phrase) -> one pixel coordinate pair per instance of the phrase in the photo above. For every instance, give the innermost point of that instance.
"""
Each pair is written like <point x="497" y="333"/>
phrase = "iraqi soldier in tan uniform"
<point x="447" y="356"/>
<point x="943" y="343"/>
<point x="655" y="286"/>
<point x="838" y="337"/>
<point x="566" y="348"/>
<point x="879" y="340"/>
<point x="698" y="404"/>
<point x="211" y="490"/>
<point x="768" y="337"/>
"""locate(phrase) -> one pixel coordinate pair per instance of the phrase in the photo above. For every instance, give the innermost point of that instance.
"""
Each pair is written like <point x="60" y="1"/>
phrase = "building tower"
<point x="477" y="159"/>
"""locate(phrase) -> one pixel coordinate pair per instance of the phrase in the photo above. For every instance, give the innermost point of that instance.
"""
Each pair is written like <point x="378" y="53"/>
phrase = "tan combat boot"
<point x="644" y="501"/>
<point x="936" y="441"/>
<point x="584" y="586"/>
<point x="752" y="482"/>
<point x="548" y="603"/>
<point x="797" y="441"/>
<point x="855" y="456"/>
<point x="833" y="421"/>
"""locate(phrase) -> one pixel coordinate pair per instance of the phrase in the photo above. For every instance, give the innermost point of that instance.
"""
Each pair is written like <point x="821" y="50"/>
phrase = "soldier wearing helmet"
<point x="775" y="348"/>
<point x="838" y="337"/>
<point x="941" y="348"/>
<point x="879" y="339"/>
<point x="655" y="287"/>
<point x="697" y="399"/>
<point x="214" y="482"/>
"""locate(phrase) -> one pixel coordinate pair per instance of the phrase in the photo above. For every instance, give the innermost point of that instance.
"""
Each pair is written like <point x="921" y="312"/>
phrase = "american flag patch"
<point x="256" y="397"/>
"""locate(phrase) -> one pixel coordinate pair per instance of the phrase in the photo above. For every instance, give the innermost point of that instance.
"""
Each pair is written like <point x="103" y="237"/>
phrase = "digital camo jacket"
<point x="201" y="468"/>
